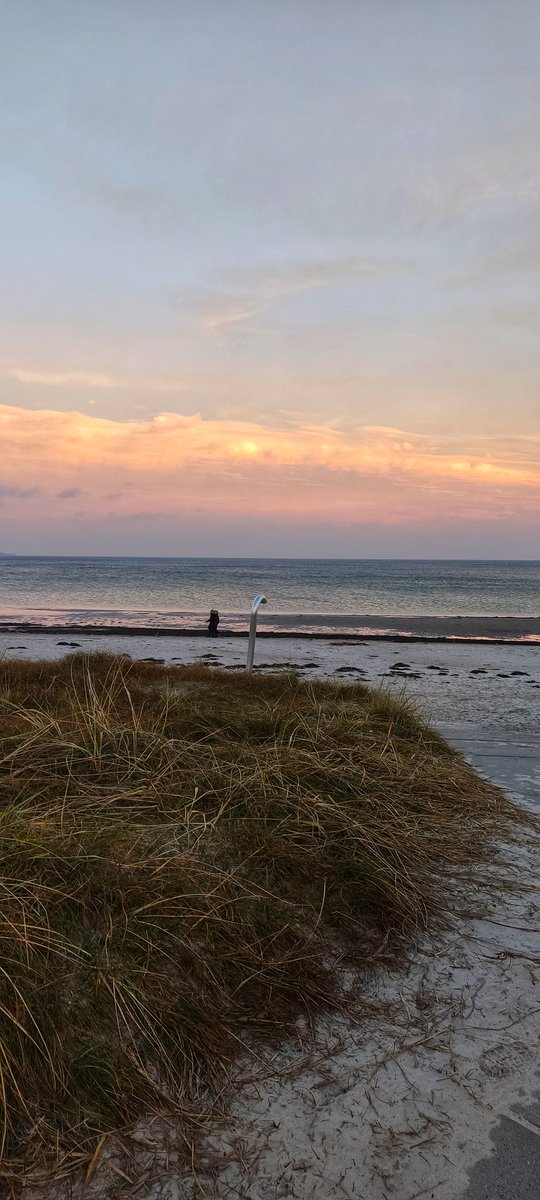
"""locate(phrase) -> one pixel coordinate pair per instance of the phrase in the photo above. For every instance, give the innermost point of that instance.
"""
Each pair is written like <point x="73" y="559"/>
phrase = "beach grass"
<point x="188" y="861"/>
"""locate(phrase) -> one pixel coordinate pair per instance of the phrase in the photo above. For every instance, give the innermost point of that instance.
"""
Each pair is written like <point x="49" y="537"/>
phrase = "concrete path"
<point x="512" y="1171"/>
<point x="511" y="760"/>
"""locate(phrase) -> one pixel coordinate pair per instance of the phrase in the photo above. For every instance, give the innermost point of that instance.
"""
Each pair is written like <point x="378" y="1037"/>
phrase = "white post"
<point x="253" y="630"/>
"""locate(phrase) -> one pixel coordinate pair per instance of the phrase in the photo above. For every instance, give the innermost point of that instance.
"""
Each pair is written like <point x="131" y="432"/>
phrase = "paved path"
<point x="512" y="760"/>
<point x="512" y="1171"/>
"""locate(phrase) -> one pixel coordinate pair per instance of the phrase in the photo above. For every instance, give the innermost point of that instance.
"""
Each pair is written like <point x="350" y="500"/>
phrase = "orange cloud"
<point x="175" y="462"/>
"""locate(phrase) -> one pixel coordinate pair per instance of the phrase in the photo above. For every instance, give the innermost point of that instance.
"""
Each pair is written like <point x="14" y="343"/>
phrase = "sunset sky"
<point x="270" y="277"/>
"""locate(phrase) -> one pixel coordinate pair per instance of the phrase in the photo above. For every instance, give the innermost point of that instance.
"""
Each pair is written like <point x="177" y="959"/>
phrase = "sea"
<point x="481" y="599"/>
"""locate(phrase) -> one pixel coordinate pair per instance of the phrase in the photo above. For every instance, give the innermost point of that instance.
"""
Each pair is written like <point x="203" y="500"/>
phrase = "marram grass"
<point x="186" y="857"/>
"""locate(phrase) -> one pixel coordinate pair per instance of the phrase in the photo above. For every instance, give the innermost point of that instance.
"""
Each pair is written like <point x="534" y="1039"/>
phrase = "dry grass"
<point x="185" y="856"/>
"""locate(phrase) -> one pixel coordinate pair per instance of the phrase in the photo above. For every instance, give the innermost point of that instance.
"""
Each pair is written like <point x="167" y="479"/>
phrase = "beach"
<point x="483" y="682"/>
<point x="436" y="1094"/>
<point x="433" y="1095"/>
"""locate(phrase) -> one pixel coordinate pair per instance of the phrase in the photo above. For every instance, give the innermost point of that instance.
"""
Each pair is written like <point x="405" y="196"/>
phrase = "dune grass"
<point x="186" y="859"/>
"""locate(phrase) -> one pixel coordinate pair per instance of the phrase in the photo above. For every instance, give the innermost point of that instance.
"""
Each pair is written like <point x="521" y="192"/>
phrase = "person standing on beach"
<point x="213" y="623"/>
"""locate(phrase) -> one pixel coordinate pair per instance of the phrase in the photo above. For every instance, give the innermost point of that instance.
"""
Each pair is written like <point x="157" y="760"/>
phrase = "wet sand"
<point x="485" y="627"/>
<point x="315" y="625"/>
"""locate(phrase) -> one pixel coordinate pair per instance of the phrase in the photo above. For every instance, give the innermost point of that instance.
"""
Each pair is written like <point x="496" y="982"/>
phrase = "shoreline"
<point x="160" y="631"/>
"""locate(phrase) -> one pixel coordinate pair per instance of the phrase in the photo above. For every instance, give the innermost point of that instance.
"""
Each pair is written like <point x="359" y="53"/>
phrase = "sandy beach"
<point x="487" y="683"/>
<point x="414" y="1101"/>
<point x="435" y="1093"/>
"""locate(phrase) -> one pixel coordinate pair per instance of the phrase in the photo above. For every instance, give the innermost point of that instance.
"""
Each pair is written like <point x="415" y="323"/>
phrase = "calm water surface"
<point x="179" y="592"/>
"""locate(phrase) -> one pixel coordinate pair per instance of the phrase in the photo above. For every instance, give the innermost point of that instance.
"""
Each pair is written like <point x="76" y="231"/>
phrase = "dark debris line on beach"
<point x="345" y="638"/>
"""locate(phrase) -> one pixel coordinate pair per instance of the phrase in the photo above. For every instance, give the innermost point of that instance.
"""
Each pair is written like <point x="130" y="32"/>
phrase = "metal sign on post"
<point x="253" y="630"/>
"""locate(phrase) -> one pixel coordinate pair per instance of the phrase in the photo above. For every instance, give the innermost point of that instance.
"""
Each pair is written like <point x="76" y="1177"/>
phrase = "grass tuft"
<point x="186" y="856"/>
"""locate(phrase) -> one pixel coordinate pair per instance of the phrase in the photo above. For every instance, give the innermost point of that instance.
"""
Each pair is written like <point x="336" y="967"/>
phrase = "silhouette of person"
<point x="213" y="623"/>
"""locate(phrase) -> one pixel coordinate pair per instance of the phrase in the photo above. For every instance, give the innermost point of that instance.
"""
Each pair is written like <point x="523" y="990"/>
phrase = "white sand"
<point x="398" y="1107"/>
<point x="405" y="1105"/>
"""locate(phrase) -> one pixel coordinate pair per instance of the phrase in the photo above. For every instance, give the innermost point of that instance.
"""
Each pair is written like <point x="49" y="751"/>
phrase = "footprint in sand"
<point x="502" y="1060"/>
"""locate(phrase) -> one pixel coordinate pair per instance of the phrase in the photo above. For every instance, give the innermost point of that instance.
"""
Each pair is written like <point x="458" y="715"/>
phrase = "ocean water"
<point x="315" y="594"/>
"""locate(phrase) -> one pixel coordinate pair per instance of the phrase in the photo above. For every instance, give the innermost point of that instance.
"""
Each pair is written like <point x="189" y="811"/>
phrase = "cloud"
<point x="244" y="294"/>
<point x="61" y="378"/>
<point x="17" y="493"/>
<point x="183" y="464"/>
<point x="70" y="493"/>
<point x="90" y="379"/>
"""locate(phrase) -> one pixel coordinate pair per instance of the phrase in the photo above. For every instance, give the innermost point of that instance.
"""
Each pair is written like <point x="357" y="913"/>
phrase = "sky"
<point x="270" y="277"/>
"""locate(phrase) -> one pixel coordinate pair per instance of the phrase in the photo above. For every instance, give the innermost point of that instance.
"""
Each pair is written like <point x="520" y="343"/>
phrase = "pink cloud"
<point x="175" y="463"/>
